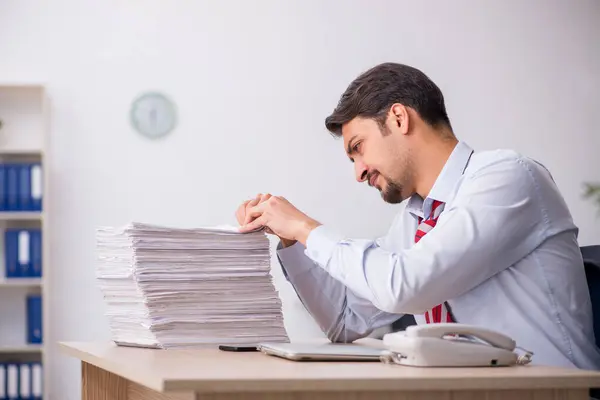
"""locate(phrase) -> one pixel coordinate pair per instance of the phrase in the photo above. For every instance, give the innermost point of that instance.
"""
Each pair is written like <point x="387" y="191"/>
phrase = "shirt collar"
<point x="445" y="182"/>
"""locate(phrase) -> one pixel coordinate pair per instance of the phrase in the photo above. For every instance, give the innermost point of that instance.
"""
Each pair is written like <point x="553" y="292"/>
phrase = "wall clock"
<point x="153" y="115"/>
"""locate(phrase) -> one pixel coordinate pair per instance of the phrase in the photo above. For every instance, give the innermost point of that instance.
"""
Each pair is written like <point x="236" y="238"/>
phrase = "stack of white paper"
<point x="176" y="288"/>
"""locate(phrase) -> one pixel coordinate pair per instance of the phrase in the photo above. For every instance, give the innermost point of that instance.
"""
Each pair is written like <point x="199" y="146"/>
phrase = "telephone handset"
<point x="451" y="345"/>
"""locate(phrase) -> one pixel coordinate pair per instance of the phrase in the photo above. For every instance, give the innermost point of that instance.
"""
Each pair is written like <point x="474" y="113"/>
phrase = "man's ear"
<point x="400" y="118"/>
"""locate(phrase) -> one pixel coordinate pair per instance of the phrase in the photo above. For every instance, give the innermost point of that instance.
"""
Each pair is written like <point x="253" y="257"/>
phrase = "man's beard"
<point x="393" y="192"/>
<point x="395" y="189"/>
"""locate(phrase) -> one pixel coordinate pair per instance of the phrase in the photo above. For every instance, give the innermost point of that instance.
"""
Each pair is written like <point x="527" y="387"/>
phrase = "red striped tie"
<point x="438" y="313"/>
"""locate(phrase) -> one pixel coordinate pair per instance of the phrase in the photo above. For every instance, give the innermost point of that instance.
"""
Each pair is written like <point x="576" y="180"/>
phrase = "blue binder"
<point x="2" y="192"/>
<point x="11" y="248"/>
<point x="36" y="253"/>
<point x="24" y="192"/>
<point x="2" y="381"/>
<point x="23" y="253"/>
<point x="34" y="319"/>
<point x="12" y="187"/>
<point x="21" y="186"/>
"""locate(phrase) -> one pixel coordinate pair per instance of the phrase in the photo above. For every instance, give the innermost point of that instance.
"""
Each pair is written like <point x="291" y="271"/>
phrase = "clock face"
<point x="153" y="115"/>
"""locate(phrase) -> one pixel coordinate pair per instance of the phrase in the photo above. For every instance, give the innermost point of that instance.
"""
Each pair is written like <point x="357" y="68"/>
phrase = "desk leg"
<point x="98" y="384"/>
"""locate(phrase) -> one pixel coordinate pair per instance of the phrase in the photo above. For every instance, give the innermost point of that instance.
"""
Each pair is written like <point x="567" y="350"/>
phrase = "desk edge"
<point x="232" y="386"/>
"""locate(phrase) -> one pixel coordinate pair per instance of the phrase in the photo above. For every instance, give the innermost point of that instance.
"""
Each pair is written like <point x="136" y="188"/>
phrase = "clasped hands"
<point x="278" y="216"/>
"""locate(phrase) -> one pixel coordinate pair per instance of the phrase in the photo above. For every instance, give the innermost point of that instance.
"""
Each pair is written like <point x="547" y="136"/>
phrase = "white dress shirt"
<point x="504" y="255"/>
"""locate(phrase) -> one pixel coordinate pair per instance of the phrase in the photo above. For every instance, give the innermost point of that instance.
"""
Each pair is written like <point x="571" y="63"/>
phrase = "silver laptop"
<point x="321" y="352"/>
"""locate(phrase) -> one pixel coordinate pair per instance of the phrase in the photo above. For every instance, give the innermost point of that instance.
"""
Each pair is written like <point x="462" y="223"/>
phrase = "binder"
<point x="21" y="381"/>
<point x="37" y="381"/>
<point x="36" y="253"/>
<point x="23" y="253"/>
<point x="12" y="381"/>
<point x="2" y="381"/>
<point x="36" y="191"/>
<point x="2" y="192"/>
<point x="11" y="246"/>
<point x="34" y="319"/>
<point x="24" y="192"/>
<point x="21" y="186"/>
<point x="12" y="187"/>
<point x="24" y="381"/>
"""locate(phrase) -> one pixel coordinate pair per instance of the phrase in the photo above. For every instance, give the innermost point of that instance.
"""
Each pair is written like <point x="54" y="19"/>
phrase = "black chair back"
<point x="591" y="262"/>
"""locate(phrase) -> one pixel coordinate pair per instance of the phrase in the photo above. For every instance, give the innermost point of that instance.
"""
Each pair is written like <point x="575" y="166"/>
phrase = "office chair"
<point x="591" y="262"/>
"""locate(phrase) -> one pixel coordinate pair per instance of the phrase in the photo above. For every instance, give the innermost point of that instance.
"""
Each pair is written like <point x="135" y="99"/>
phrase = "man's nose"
<point x="361" y="171"/>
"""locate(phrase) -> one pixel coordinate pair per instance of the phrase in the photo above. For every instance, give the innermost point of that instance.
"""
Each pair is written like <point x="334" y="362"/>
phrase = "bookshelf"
<point x="24" y="232"/>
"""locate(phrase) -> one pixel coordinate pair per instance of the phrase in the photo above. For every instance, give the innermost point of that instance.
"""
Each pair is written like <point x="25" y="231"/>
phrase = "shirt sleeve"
<point x="491" y="224"/>
<point x="342" y="316"/>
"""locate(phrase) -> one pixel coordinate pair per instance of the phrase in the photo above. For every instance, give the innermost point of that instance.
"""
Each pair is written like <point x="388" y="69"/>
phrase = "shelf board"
<point x="20" y="215"/>
<point x="21" y="152"/>
<point x="21" y="282"/>
<point x="21" y="84"/>
<point x="22" y="348"/>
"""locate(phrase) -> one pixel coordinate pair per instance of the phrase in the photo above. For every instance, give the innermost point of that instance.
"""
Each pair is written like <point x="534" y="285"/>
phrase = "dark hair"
<point x="374" y="91"/>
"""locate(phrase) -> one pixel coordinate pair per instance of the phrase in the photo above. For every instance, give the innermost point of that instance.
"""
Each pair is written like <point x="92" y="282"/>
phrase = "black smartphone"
<point x="238" y="347"/>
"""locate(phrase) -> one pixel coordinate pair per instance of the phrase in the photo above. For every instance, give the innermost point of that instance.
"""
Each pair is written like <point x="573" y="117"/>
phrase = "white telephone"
<point x="451" y="345"/>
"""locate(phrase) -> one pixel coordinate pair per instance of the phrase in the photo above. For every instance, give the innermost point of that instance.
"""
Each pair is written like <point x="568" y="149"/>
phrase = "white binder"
<point x="12" y="384"/>
<point x="37" y="381"/>
<point x="25" y="381"/>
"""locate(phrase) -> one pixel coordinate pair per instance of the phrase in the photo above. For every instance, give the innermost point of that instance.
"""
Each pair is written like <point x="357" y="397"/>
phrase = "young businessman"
<point x="483" y="238"/>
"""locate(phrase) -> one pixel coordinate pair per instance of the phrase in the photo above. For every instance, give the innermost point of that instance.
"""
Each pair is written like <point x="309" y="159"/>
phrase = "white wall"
<point x="253" y="82"/>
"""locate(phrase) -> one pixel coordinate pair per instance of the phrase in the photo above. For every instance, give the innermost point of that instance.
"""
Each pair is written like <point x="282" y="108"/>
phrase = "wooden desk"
<point x="120" y="373"/>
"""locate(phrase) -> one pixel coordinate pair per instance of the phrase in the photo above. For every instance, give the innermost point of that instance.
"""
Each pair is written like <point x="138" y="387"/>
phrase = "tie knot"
<point x="436" y="209"/>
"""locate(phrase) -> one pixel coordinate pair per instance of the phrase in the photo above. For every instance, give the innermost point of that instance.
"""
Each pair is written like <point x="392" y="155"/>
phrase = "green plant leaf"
<point x="592" y="191"/>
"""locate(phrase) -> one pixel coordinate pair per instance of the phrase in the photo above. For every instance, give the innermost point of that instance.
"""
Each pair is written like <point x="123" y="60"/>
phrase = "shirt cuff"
<point x="321" y="243"/>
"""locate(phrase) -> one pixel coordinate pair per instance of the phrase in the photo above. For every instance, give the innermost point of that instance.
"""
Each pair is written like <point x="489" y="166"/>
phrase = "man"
<point x="483" y="238"/>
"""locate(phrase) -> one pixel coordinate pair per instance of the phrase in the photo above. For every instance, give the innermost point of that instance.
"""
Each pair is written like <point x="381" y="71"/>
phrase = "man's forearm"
<point x="342" y="316"/>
